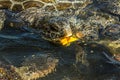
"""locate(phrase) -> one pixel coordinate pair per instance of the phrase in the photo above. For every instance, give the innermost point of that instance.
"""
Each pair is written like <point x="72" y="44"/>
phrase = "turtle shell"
<point x="19" y="5"/>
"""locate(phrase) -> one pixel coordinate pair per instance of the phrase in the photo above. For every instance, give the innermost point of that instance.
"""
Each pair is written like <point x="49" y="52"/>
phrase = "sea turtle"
<point x="58" y="21"/>
<point x="65" y="21"/>
<point x="42" y="8"/>
<point x="11" y="16"/>
<point x="19" y="5"/>
<point x="113" y="9"/>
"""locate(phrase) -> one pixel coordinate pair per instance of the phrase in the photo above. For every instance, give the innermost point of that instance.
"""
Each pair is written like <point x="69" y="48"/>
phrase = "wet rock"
<point x="113" y="46"/>
<point x="7" y="72"/>
<point x="100" y="58"/>
<point x="101" y="64"/>
<point x="37" y="66"/>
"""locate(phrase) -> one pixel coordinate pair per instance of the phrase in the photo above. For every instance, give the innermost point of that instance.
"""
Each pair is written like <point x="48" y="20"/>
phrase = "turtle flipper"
<point x="2" y="18"/>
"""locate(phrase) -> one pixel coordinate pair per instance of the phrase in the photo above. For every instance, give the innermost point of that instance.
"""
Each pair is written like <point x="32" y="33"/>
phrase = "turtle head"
<point x="57" y="29"/>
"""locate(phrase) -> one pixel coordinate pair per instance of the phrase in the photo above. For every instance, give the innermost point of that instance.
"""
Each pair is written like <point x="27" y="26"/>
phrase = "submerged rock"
<point x="37" y="66"/>
<point x="101" y="63"/>
<point x="113" y="46"/>
<point x="7" y="72"/>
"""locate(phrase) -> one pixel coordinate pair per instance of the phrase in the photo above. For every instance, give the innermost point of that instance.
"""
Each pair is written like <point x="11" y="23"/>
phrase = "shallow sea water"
<point x="16" y="45"/>
<point x="80" y="60"/>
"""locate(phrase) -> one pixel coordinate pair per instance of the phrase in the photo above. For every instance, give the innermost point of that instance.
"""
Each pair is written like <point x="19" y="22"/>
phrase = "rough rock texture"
<point x="37" y="66"/>
<point x="7" y="72"/>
